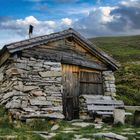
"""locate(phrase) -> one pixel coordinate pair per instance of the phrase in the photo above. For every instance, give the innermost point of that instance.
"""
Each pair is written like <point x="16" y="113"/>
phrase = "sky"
<point x="92" y="18"/>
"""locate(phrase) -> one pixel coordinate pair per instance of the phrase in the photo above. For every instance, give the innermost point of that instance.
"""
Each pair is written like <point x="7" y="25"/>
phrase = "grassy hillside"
<point x="125" y="50"/>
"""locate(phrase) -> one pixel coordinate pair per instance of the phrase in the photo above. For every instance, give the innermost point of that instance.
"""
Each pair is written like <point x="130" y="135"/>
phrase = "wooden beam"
<point x="4" y="57"/>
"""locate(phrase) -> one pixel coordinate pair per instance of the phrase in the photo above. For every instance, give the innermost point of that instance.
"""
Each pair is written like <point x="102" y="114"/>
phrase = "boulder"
<point x="55" y="127"/>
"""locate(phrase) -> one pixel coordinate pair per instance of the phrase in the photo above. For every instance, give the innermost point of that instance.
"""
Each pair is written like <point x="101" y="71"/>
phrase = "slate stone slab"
<point x="41" y="103"/>
<point x="50" y="74"/>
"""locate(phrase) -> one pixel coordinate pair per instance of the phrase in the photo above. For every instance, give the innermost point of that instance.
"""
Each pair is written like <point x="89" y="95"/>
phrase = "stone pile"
<point x="31" y="88"/>
<point x="84" y="114"/>
<point x="109" y="83"/>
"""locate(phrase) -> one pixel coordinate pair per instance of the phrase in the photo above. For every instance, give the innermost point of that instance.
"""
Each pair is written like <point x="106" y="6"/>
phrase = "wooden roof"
<point x="40" y="40"/>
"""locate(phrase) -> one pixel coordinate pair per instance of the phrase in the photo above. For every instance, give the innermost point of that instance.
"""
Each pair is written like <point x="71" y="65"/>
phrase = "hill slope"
<point x="125" y="50"/>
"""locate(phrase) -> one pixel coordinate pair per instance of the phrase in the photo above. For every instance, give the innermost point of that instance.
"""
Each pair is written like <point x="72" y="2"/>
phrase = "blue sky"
<point x="90" y="17"/>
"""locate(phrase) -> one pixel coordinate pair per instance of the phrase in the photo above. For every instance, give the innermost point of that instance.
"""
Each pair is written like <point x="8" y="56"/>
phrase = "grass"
<point x="125" y="50"/>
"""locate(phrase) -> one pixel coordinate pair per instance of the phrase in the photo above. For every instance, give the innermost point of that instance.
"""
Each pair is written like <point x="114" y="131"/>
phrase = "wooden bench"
<point x="103" y="106"/>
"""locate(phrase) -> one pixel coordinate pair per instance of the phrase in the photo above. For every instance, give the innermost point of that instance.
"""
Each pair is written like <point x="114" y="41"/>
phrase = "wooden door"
<point x="70" y="92"/>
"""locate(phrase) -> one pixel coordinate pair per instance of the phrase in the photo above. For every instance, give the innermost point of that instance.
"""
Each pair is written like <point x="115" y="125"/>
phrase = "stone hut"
<point x="45" y="76"/>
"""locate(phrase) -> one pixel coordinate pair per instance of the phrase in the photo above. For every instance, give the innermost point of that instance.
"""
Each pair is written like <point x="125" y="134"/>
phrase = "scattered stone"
<point x="8" y="137"/>
<point x="111" y="136"/>
<point x="45" y="134"/>
<point x="50" y="135"/>
<point x="55" y="127"/>
<point x="98" y="126"/>
<point x="51" y="115"/>
<point x="82" y="124"/>
<point x="128" y="129"/>
<point x="138" y="132"/>
<point x="128" y="133"/>
<point x="67" y="131"/>
<point x="79" y="137"/>
<point x="98" y="120"/>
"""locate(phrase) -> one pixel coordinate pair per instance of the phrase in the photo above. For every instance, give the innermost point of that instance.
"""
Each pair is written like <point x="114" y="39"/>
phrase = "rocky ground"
<point x="63" y="130"/>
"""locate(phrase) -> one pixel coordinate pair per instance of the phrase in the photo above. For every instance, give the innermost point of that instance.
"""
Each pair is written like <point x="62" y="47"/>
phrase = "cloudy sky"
<point x="91" y="18"/>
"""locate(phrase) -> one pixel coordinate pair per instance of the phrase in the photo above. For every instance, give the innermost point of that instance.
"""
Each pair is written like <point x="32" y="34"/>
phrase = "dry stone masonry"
<point x="109" y="83"/>
<point x="31" y="88"/>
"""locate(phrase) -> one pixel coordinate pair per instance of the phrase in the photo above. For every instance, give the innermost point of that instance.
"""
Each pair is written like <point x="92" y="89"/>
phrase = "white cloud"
<point x="50" y="23"/>
<point x="66" y="21"/>
<point x="28" y="20"/>
<point x="131" y="3"/>
<point x="106" y="17"/>
<point x="81" y="10"/>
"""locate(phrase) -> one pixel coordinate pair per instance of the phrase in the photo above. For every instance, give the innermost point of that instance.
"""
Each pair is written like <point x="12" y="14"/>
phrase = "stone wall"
<point x="109" y="83"/>
<point x="31" y="88"/>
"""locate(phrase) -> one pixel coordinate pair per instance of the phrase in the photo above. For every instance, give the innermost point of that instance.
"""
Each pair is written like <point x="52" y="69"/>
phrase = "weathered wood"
<point x="101" y="108"/>
<point x="105" y="102"/>
<point x="70" y="56"/>
<point x="4" y="57"/>
<point x="90" y="83"/>
<point x="103" y="112"/>
<point x="71" y="91"/>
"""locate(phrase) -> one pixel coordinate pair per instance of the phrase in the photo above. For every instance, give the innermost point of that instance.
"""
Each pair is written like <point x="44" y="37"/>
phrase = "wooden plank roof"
<point x="29" y="43"/>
